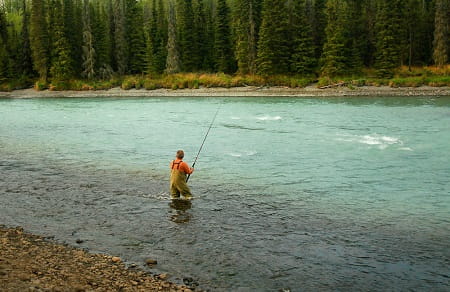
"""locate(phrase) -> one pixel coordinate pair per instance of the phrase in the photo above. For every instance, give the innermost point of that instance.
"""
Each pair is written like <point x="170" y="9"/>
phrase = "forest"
<point x="282" y="42"/>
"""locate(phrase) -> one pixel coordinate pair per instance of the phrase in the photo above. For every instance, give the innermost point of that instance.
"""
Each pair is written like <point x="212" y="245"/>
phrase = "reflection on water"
<point x="179" y="212"/>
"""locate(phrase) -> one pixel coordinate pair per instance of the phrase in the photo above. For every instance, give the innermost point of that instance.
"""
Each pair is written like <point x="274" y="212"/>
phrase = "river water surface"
<point x="300" y="194"/>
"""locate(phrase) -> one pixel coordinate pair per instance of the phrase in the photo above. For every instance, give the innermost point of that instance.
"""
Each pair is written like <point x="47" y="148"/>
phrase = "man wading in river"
<point x="178" y="185"/>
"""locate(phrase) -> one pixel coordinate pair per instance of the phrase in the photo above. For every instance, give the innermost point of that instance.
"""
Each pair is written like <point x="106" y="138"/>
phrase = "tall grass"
<point x="403" y="77"/>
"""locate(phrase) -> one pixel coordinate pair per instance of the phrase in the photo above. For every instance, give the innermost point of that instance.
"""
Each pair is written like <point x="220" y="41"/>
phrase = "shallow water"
<point x="300" y="194"/>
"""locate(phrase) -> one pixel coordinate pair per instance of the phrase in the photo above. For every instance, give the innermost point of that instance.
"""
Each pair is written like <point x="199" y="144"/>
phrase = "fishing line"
<point x="204" y="139"/>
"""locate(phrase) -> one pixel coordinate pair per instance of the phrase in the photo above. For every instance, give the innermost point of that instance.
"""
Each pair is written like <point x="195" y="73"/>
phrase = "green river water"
<point x="303" y="194"/>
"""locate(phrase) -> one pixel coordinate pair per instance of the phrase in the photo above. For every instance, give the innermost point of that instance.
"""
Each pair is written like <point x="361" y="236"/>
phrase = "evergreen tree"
<point x="273" y="44"/>
<point x="317" y="19"/>
<point x="156" y="51"/>
<point x="303" y="60"/>
<point x="120" y="40"/>
<point x="355" y="37"/>
<point x="102" y="39"/>
<point x="173" y="58"/>
<point x="334" y="51"/>
<point x="202" y="43"/>
<point x="186" y="41"/>
<point x="88" y="43"/>
<point x="61" y="66"/>
<point x="161" y="37"/>
<point x="26" y="62"/>
<point x="208" y="43"/>
<point x="222" y="43"/>
<point x="391" y="36"/>
<point x="39" y="38"/>
<point x="136" y="37"/>
<point x="4" y="57"/>
<point x="368" y="15"/>
<point x="441" y="33"/>
<point x="73" y="32"/>
<point x="247" y="22"/>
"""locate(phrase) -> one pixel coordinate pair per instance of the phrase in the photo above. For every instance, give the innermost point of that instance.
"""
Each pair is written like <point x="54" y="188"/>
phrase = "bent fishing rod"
<point x="203" y="143"/>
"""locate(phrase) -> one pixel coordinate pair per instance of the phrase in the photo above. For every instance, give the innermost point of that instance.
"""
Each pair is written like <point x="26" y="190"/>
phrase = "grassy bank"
<point x="403" y="77"/>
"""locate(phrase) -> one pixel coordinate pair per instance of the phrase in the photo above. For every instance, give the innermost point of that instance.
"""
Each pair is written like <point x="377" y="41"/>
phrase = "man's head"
<point x="180" y="154"/>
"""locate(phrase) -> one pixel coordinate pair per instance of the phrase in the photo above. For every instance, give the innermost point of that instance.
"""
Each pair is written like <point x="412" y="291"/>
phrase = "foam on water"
<point x="380" y="141"/>
<point x="269" y="118"/>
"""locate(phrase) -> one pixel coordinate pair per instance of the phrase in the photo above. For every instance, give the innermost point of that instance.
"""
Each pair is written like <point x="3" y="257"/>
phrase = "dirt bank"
<point x="31" y="263"/>
<point x="309" y="91"/>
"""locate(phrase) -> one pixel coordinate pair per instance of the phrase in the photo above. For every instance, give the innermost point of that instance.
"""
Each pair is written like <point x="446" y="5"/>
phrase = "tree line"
<point x="64" y="39"/>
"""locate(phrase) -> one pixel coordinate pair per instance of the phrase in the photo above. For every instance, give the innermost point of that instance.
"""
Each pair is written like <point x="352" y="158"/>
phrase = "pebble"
<point x="115" y="259"/>
<point x="163" y="276"/>
<point x="151" y="262"/>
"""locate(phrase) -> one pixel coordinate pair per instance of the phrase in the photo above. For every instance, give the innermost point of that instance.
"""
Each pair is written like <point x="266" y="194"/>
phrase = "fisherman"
<point x="178" y="185"/>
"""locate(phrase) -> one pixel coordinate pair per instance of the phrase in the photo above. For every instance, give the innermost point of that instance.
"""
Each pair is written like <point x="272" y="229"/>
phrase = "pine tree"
<point x="441" y="33"/>
<point x="273" y="44"/>
<point x="136" y="37"/>
<point x="317" y="19"/>
<point x="88" y="43"/>
<point x="247" y="22"/>
<point x="368" y="15"/>
<point x="334" y="51"/>
<point x="4" y="57"/>
<point x="26" y="65"/>
<point x="303" y="59"/>
<point x="120" y="40"/>
<point x="186" y="41"/>
<point x="39" y="38"/>
<point x="173" y="58"/>
<point x="61" y="66"/>
<point x="356" y="39"/>
<point x="391" y="36"/>
<point x="73" y="32"/>
<point x="202" y="43"/>
<point x="156" y="51"/>
<point x="222" y="44"/>
<point x="102" y="39"/>
<point x="209" y="25"/>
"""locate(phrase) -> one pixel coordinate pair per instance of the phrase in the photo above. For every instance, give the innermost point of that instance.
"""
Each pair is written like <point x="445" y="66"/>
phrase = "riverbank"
<point x="308" y="91"/>
<point x="32" y="263"/>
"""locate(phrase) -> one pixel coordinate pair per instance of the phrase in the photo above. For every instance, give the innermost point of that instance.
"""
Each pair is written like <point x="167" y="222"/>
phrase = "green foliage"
<point x="61" y="65"/>
<point x="224" y="57"/>
<point x="344" y="39"/>
<point x="246" y="23"/>
<point x="186" y="37"/>
<point x="303" y="59"/>
<point x="173" y="64"/>
<point x="120" y="40"/>
<point x="4" y="56"/>
<point x="135" y="37"/>
<point x="39" y="38"/>
<point x="88" y="43"/>
<point x="273" y="44"/>
<point x="441" y="34"/>
<point x="283" y="40"/>
<point x="390" y="31"/>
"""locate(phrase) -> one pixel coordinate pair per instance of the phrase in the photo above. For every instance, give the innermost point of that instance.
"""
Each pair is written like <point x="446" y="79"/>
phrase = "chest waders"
<point x="178" y="185"/>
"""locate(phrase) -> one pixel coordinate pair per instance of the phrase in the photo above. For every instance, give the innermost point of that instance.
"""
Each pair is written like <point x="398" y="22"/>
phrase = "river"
<point x="300" y="194"/>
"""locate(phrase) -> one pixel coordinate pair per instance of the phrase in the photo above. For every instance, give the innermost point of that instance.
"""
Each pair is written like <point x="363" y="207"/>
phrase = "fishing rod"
<point x="203" y="143"/>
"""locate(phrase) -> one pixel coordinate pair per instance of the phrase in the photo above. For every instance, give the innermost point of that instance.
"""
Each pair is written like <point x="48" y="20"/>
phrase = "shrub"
<point x="40" y="85"/>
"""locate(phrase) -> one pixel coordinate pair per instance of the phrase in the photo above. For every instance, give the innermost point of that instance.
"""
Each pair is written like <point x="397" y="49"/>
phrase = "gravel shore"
<point x="309" y="91"/>
<point x="32" y="263"/>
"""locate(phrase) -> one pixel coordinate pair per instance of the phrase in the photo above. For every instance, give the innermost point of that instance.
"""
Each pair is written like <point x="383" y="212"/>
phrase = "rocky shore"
<point x="32" y="263"/>
<point x="309" y="91"/>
